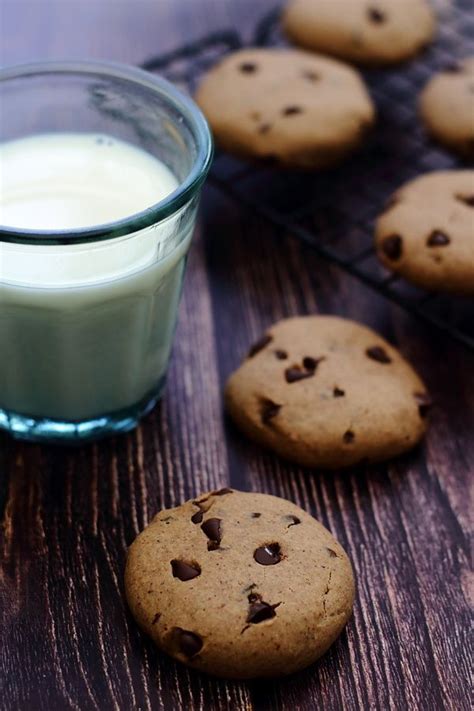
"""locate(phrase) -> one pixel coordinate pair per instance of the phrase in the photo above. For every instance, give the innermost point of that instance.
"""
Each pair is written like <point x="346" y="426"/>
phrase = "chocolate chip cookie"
<point x="239" y="585"/>
<point x="447" y="107"/>
<point x="363" y="31"/>
<point x="426" y="234"/>
<point x="296" y="108"/>
<point x="326" y="392"/>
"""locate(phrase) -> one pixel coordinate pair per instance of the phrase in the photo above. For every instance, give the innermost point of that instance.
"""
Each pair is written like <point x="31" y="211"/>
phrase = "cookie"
<point x="327" y="392"/>
<point x="447" y="107"/>
<point x="364" y="31"/>
<point x="426" y="234"/>
<point x="239" y="585"/>
<point x="289" y="106"/>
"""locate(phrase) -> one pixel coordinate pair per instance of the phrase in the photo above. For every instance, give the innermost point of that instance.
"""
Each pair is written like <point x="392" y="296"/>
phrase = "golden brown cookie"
<point x="427" y="232"/>
<point x="297" y="108"/>
<point x="327" y="392"/>
<point x="363" y="31"/>
<point x="239" y="585"/>
<point x="447" y="107"/>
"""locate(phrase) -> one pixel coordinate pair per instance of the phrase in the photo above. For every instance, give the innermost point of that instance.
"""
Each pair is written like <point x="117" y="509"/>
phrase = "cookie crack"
<point x="326" y="592"/>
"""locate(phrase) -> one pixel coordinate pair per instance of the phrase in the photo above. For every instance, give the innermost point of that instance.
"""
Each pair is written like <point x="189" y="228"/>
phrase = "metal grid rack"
<point x="333" y="212"/>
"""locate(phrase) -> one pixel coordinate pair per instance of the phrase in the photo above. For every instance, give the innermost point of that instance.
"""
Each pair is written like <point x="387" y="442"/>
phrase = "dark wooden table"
<point x="67" y="640"/>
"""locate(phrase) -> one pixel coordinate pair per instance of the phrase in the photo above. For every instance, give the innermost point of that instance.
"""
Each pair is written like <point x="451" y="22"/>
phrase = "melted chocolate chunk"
<point x="189" y="643"/>
<point x="248" y="68"/>
<point x="379" y="354"/>
<point x="292" y="375"/>
<point x="260" y="611"/>
<point x="392" y="247"/>
<point x="281" y="355"/>
<point x="332" y="553"/>
<point x="337" y="392"/>
<point x="292" y="110"/>
<point x="348" y="437"/>
<point x="425" y="403"/>
<point x="198" y="516"/>
<point x="437" y="239"/>
<point x="294" y="520"/>
<point x="256" y="515"/>
<point x="269" y="554"/>
<point x="213" y="530"/>
<point x="260" y="345"/>
<point x="185" y="571"/>
<point x="268" y="410"/>
<point x="156" y="618"/>
<point x="376" y="15"/>
<point x="466" y="200"/>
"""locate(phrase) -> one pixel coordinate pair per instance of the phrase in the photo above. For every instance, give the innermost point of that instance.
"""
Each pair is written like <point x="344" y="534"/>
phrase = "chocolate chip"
<point x="212" y="529"/>
<point x="392" y="247"/>
<point x="260" y="345"/>
<point x="348" y="437"/>
<point x="466" y="199"/>
<point x="310" y="363"/>
<point x="268" y="410"/>
<point x="269" y="554"/>
<point x="260" y="611"/>
<point x="425" y="403"/>
<point x="248" y="68"/>
<point x="375" y="15"/>
<point x="294" y="520"/>
<point x="185" y="571"/>
<point x="281" y="355"/>
<point x="265" y="128"/>
<point x="256" y="515"/>
<point x="292" y="110"/>
<point x="292" y="375"/>
<point x="337" y="392"/>
<point x="437" y="239"/>
<point x="332" y="553"/>
<point x="156" y="618"/>
<point x="189" y="643"/>
<point x="311" y="75"/>
<point x="379" y="354"/>
<point x="198" y="516"/>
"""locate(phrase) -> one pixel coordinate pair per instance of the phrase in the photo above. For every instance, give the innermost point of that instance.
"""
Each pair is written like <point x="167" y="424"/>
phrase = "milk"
<point x="85" y="329"/>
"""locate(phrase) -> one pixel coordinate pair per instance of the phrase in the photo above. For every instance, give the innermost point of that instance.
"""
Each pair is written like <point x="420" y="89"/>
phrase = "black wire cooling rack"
<point x="333" y="212"/>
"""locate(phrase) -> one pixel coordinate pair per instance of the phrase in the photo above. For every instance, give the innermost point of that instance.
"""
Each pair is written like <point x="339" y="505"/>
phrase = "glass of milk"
<point x="101" y="167"/>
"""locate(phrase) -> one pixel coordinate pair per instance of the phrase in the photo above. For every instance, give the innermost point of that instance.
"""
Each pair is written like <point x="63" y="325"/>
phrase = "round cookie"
<point x="426" y="233"/>
<point x="364" y="31"/>
<point x="327" y="392"/>
<point x="239" y="585"/>
<point x="297" y="108"/>
<point x="447" y="107"/>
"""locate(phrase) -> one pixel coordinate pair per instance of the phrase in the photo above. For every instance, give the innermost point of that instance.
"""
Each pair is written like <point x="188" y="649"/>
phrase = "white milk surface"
<point x="85" y="330"/>
<point x="62" y="181"/>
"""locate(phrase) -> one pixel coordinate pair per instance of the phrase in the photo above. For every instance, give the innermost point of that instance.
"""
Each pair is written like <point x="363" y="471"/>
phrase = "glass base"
<point x="49" y="431"/>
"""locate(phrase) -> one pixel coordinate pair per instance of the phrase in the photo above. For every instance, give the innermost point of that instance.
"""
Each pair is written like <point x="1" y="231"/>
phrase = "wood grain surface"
<point x="67" y="515"/>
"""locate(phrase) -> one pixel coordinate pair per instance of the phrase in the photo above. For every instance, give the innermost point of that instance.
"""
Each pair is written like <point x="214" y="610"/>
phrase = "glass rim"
<point x="149" y="216"/>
